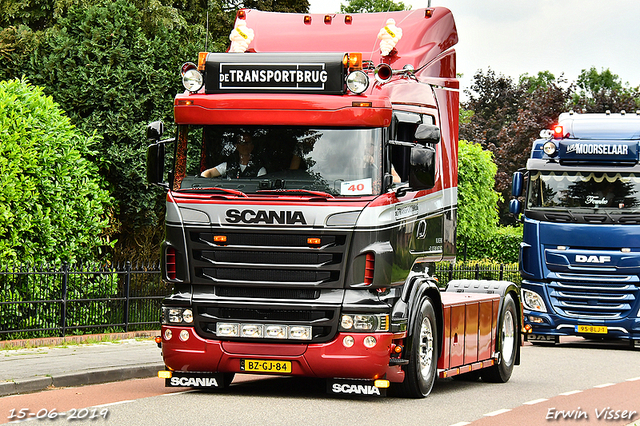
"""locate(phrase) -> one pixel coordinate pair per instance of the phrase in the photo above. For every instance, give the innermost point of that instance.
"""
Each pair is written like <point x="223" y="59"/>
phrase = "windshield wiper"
<point x="295" y="191"/>
<point x="215" y="188"/>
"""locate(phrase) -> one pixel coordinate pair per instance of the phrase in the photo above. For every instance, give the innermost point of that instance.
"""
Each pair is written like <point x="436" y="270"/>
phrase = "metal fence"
<point x="74" y="299"/>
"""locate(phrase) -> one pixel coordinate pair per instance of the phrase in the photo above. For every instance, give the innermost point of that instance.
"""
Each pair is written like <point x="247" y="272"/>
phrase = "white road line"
<point x="633" y="380"/>
<point x="113" y="403"/>
<point x="604" y="385"/>
<point x="461" y="424"/>
<point x="570" y="393"/>
<point x="495" y="413"/>
<point x="179" y="392"/>
<point x="535" y="401"/>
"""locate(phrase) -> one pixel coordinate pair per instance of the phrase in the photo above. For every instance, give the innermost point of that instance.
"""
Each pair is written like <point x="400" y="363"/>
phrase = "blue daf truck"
<point x="580" y="254"/>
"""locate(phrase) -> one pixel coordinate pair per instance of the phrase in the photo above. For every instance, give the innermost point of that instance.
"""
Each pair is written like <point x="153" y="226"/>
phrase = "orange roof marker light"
<point x="242" y="14"/>
<point x="348" y="19"/>
<point x="327" y="19"/>
<point x="307" y="19"/>
<point x="428" y="13"/>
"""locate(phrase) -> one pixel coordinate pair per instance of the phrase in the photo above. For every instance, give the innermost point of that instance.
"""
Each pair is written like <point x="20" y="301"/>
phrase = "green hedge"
<point x="501" y="246"/>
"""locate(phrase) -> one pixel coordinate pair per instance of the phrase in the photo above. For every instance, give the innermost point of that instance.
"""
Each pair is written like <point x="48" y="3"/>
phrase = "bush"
<point x="54" y="206"/>
<point x="502" y="245"/>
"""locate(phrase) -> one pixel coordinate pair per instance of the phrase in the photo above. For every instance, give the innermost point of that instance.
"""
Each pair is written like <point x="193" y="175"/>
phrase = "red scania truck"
<point x="313" y="187"/>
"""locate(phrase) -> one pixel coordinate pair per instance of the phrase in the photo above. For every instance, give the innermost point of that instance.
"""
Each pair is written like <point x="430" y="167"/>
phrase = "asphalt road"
<point x="573" y="382"/>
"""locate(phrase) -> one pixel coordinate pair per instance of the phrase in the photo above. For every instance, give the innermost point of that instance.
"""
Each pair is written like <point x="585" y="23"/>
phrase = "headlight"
<point x="532" y="301"/>
<point x="357" y="82"/>
<point x="192" y="80"/>
<point x="549" y="148"/>
<point x="177" y="316"/>
<point x="364" y="322"/>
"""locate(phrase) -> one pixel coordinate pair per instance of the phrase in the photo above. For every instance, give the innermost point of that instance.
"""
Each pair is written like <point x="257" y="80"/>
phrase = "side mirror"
<point x="155" y="164"/>
<point x="422" y="167"/>
<point x="515" y="207"/>
<point x="516" y="184"/>
<point x="427" y="133"/>
<point x="155" y="131"/>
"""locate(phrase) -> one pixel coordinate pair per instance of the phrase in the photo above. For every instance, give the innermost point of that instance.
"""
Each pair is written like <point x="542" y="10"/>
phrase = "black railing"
<point x="76" y="299"/>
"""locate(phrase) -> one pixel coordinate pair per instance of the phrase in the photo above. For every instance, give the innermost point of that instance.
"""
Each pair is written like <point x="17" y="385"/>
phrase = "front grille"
<point x="594" y="300"/>
<point x="256" y="259"/>
<point x="267" y="293"/>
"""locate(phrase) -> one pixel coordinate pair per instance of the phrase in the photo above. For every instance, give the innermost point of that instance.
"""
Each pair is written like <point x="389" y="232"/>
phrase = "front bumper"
<point x="323" y="360"/>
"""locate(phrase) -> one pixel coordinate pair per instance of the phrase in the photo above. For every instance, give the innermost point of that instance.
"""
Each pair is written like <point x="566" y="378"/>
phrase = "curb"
<point x="36" y="384"/>
<point x="56" y="341"/>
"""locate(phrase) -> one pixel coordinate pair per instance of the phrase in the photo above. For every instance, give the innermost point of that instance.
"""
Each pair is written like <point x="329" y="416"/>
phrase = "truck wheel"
<point x="420" y="373"/>
<point x="508" y="335"/>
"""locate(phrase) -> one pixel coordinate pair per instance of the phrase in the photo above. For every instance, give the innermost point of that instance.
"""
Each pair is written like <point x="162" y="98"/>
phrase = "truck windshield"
<point x="614" y="192"/>
<point x="334" y="161"/>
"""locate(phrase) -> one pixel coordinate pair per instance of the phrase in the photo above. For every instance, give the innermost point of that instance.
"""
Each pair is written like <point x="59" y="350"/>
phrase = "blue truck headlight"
<point x="532" y="301"/>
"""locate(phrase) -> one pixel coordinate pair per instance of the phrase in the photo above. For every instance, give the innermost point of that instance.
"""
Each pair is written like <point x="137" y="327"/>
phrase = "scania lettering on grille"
<point x="283" y="217"/>
<point x="580" y="258"/>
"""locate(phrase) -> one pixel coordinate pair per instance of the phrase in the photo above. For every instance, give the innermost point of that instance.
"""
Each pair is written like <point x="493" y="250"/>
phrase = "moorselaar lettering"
<point x="598" y="149"/>
<point x="269" y="217"/>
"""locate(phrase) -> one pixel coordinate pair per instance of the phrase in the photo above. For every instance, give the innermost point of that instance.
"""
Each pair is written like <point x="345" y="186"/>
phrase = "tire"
<point x="508" y="345"/>
<point x="420" y="373"/>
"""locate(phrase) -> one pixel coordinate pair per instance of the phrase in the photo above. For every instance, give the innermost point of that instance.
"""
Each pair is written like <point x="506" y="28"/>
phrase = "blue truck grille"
<point x="595" y="300"/>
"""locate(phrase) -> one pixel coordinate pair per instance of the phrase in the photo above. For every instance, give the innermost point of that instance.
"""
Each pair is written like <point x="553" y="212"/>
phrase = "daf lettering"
<point x="268" y="217"/>
<point x="580" y="258"/>
<point x="356" y="389"/>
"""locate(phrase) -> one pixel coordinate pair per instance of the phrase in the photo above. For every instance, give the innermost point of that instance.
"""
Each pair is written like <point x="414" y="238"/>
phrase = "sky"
<point x="514" y="37"/>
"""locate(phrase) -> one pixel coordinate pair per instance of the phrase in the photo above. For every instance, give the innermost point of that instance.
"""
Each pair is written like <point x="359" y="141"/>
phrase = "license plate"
<point x="592" y="329"/>
<point x="265" y="366"/>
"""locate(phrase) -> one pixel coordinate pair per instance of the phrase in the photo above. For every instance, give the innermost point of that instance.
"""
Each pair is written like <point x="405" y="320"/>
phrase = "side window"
<point x="403" y="129"/>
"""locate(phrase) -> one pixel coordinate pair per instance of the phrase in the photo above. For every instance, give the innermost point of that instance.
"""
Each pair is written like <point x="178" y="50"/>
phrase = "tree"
<point x="368" y="6"/>
<point x="507" y="117"/>
<point x="604" y="91"/>
<point x="477" y="200"/>
<point x="54" y="203"/>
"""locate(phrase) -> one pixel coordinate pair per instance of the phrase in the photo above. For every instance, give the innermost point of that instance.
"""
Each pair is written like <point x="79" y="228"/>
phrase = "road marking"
<point x="633" y="380"/>
<point x="113" y="403"/>
<point x="495" y="413"/>
<point x="570" y="392"/>
<point x="535" y="401"/>
<point x="604" y="385"/>
<point x="179" y="392"/>
<point x="461" y="424"/>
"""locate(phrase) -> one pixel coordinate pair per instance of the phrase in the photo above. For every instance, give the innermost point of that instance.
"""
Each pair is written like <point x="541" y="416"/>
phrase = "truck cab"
<point x="313" y="186"/>
<point x="580" y="255"/>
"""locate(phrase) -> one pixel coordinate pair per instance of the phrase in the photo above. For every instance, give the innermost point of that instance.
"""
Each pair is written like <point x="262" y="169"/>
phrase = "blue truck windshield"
<point x="336" y="161"/>
<point x="613" y="192"/>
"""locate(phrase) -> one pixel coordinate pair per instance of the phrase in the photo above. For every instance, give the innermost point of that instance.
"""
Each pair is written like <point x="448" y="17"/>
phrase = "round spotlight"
<point x="549" y="148"/>
<point x="192" y="80"/>
<point x="187" y="316"/>
<point x="370" y="342"/>
<point x="348" y="341"/>
<point x="168" y="334"/>
<point x="184" y="335"/>
<point x="357" y="82"/>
